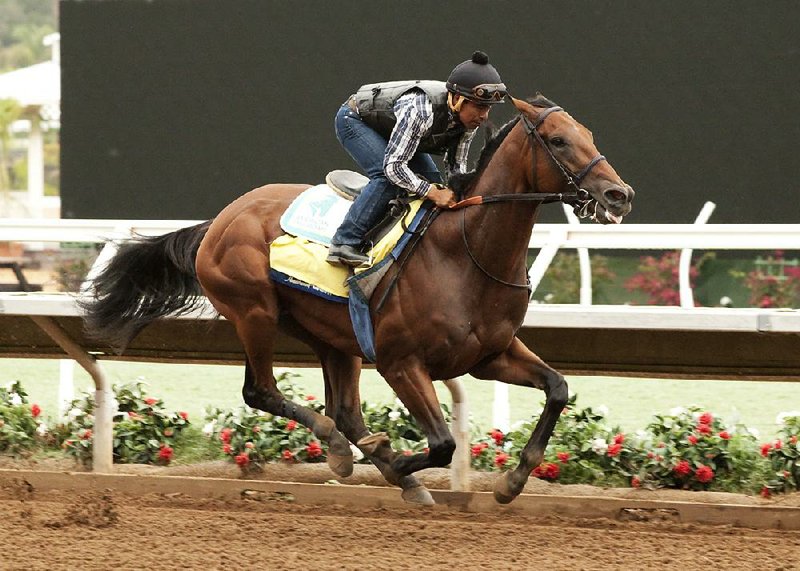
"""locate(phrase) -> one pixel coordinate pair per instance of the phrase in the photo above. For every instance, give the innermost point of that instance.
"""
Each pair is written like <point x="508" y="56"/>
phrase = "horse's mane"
<point x="461" y="182"/>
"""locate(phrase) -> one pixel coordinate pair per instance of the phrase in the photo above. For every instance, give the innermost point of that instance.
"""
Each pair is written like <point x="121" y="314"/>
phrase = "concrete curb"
<point x="584" y="507"/>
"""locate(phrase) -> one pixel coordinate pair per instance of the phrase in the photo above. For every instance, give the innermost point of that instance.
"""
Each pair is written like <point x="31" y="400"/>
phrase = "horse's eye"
<point x="558" y="142"/>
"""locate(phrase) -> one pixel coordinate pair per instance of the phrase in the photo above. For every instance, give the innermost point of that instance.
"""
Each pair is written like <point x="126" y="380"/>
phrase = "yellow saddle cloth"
<point x="299" y="262"/>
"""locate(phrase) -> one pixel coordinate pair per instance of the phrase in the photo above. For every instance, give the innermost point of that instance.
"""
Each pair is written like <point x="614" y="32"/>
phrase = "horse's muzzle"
<point x="619" y="197"/>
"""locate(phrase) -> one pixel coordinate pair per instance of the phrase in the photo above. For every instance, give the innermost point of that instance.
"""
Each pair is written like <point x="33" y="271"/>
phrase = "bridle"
<point x="578" y="197"/>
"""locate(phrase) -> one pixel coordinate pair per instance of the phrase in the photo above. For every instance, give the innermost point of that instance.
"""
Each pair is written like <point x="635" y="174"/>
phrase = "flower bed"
<point x="689" y="449"/>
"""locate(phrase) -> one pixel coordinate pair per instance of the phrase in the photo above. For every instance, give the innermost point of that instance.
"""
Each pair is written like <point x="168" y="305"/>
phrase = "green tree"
<point x="23" y="25"/>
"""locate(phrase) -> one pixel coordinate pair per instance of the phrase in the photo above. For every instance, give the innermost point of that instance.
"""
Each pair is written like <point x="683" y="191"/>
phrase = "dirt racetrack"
<point x="122" y="527"/>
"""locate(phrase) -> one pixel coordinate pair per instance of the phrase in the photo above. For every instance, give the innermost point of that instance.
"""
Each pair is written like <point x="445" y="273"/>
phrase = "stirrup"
<point x="347" y="184"/>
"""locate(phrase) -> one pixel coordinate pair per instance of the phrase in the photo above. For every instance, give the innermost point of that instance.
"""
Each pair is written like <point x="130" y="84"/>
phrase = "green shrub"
<point x="22" y="429"/>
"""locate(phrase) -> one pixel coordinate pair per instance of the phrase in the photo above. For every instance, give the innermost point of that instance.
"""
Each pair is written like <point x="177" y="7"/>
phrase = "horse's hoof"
<point x="503" y="493"/>
<point x="418" y="495"/>
<point x="342" y="466"/>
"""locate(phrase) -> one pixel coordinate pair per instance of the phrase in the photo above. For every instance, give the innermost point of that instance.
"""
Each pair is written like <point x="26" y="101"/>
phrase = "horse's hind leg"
<point x="260" y="391"/>
<point x="520" y="366"/>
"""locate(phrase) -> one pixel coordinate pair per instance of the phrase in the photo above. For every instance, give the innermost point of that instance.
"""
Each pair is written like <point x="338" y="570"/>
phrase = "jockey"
<point x="392" y="128"/>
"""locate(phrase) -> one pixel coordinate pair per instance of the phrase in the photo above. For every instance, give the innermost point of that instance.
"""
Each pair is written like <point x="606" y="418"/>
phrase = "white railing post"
<point x="685" y="261"/>
<point x="583" y="261"/>
<point x="554" y="241"/>
<point x="459" y="466"/>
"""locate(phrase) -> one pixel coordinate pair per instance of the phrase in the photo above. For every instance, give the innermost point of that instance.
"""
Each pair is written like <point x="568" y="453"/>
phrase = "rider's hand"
<point x="441" y="196"/>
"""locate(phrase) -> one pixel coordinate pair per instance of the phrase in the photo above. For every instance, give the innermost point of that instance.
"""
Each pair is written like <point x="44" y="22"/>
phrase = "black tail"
<point x="148" y="278"/>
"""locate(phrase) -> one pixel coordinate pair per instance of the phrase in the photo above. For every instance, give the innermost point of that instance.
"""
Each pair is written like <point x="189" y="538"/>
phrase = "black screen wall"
<point x="173" y="108"/>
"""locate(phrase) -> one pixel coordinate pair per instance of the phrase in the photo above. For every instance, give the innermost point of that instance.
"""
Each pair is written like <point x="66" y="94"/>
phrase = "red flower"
<point x="500" y="459"/>
<point x="256" y="429"/>
<point x="549" y="471"/>
<point x="184" y="415"/>
<point x="682" y="468"/>
<point x="563" y="457"/>
<point x="165" y="453"/>
<point x="793" y="439"/>
<point x="314" y="449"/>
<point x="619" y="438"/>
<point x="614" y="449"/>
<point x="288" y="454"/>
<point x="498" y="436"/>
<point x="651" y="455"/>
<point x="725" y="435"/>
<point x="703" y="428"/>
<point x="692" y="439"/>
<point x="765" y="448"/>
<point x="87" y="434"/>
<point x="168" y="432"/>
<point x="408" y="452"/>
<point x="765" y="493"/>
<point x="706" y="418"/>
<point x="552" y="471"/>
<point x="704" y="474"/>
<point x="636" y="482"/>
<point x="150" y="401"/>
<point x="35" y="410"/>
<point x="291" y="425"/>
<point x="311" y="397"/>
<point x="226" y="448"/>
<point x="225" y="434"/>
<point x="778" y="445"/>
<point x="242" y="459"/>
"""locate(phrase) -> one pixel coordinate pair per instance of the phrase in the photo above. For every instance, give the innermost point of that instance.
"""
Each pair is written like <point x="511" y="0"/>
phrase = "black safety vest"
<point x="375" y="103"/>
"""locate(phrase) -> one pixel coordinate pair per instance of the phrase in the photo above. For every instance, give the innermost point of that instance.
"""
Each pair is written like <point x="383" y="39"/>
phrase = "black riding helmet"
<point x="477" y="80"/>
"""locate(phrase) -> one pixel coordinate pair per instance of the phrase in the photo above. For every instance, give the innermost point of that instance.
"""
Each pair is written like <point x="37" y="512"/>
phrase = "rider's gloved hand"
<point x="441" y="196"/>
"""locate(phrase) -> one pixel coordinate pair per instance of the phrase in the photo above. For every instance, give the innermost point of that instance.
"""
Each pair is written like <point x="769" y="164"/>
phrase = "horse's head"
<point x="564" y="155"/>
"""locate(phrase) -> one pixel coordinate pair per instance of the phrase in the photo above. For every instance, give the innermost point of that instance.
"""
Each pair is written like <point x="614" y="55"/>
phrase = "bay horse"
<point x="454" y="309"/>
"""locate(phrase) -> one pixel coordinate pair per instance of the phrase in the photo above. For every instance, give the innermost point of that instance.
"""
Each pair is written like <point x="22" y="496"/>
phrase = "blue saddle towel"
<point x="297" y="259"/>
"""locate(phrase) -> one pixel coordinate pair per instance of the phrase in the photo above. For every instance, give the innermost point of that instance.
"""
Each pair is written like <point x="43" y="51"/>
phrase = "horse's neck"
<point x="500" y="232"/>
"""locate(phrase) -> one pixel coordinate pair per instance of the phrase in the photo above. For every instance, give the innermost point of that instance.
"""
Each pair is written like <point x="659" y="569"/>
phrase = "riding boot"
<point x="366" y="211"/>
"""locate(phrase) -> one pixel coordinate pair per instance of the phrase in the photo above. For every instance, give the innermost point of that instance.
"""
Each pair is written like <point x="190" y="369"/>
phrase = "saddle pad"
<point x="299" y="262"/>
<point x="315" y="214"/>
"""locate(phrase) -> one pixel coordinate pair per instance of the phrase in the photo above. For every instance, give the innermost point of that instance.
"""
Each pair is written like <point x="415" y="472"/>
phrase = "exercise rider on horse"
<point x="391" y="129"/>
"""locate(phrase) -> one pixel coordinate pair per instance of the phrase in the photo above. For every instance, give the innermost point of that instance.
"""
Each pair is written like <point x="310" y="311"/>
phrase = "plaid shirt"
<point x="414" y="114"/>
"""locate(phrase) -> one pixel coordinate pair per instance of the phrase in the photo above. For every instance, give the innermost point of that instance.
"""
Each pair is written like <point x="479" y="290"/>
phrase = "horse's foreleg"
<point x="520" y="366"/>
<point x="343" y="402"/>
<point x="414" y="387"/>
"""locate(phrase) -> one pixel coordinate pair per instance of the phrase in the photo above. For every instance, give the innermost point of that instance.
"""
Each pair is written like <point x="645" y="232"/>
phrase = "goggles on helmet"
<point x="483" y="93"/>
<point x="489" y="92"/>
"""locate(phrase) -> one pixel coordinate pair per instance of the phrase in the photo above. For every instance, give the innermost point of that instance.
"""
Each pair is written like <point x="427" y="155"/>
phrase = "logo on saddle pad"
<point x="315" y="214"/>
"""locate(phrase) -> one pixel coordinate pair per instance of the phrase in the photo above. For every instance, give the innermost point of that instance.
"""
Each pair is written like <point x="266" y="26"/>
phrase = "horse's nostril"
<point x="615" y="195"/>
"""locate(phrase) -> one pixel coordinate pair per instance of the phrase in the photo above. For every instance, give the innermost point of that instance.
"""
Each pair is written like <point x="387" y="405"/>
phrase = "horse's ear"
<point x="523" y="106"/>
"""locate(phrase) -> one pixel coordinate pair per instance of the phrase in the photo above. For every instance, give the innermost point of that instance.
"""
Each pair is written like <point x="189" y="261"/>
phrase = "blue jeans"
<point x="368" y="150"/>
